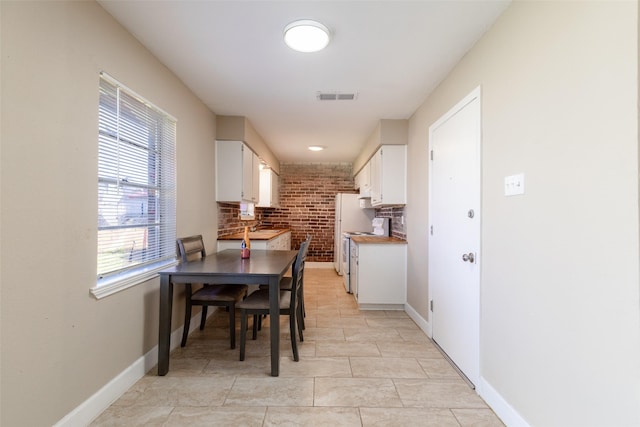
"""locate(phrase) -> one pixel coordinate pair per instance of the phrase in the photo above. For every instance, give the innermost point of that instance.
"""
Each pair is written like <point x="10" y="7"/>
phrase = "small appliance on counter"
<point x="380" y="226"/>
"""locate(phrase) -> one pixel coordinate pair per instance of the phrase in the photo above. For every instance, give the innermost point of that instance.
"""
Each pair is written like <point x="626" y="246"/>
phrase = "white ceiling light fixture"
<point x="316" y="147"/>
<point x="306" y="35"/>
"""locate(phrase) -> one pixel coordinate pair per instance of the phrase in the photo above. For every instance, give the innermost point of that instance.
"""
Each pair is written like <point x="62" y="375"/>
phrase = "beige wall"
<point x="59" y="344"/>
<point x="239" y="128"/>
<point x="560" y="318"/>
<point x="387" y="132"/>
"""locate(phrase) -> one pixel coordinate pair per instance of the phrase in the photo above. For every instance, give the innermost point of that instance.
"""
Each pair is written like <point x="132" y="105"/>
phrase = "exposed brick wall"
<point x="307" y="206"/>
<point x="229" y="219"/>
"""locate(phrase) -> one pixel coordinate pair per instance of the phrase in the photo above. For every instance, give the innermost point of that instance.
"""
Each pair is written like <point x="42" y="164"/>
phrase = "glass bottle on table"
<point x="245" y="246"/>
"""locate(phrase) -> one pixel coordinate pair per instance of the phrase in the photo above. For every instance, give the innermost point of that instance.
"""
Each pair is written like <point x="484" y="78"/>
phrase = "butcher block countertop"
<point x="266" y="234"/>
<point x="378" y="240"/>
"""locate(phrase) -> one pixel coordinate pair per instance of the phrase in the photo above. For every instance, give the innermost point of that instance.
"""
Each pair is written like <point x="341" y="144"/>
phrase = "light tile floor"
<point x="356" y="368"/>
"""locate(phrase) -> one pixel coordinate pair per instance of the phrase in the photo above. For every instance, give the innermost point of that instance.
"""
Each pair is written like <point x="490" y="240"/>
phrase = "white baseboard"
<point x="310" y="264"/>
<point x="496" y="402"/>
<point x="388" y="307"/>
<point x="501" y="407"/>
<point x="91" y="408"/>
<point x="420" y="321"/>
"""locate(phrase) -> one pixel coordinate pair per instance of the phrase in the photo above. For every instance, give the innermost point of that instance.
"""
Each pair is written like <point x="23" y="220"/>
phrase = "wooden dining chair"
<point x="191" y="249"/>
<point x="287" y="283"/>
<point x="257" y="304"/>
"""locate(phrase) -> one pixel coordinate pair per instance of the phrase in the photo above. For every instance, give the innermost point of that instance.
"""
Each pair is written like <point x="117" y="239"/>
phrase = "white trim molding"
<point x="95" y="405"/>
<point x="499" y="405"/>
<point x="420" y="321"/>
<point x="117" y="283"/>
<point x="310" y="264"/>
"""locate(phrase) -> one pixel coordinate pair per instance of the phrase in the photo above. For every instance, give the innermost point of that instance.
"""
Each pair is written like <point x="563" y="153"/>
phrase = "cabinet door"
<point x="235" y="244"/>
<point x="237" y="172"/>
<point x="269" y="189"/>
<point x="286" y="241"/>
<point x="250" y="175"/>
<point x="280" y="243"/>
<point x="275" y="189"/>
<point x="375" y="165"/>
<point x="389" y="176"/>
<point x="354" y="271"/>
<point x="272" y="244"/>
<point x="255" y="175"/>
<point x="364" y="180"/>
<point x="381" y="273"/>
<point x="393" y="174"/>
<point x="264" y="200"/>
<point x="229" y="171"/>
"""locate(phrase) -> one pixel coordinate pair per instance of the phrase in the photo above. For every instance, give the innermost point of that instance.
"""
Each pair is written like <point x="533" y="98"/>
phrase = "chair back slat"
<point x="308" y="241"/>
<point x="190" y="248"/>
<point x="298" y="270"/>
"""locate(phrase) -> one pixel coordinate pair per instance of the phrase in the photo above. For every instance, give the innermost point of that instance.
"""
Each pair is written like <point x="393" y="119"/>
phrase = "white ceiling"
<point x="231" y="54"/>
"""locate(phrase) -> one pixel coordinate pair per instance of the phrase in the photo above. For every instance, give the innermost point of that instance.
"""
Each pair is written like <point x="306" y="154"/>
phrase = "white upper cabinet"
<point x="363" y="181"/>
<point x="269" y="189"/>
<point x="388" y="168"/>
<point x="237" y="172"/>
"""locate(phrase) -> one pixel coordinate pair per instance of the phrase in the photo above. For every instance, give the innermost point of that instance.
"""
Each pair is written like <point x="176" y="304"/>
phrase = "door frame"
<point x="474" y="94"/>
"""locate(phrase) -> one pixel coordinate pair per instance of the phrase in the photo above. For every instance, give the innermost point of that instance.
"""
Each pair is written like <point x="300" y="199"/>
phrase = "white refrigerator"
<point x="349" y="217"/>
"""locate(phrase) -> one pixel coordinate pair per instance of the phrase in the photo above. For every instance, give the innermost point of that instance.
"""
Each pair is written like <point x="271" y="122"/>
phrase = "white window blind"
<point x="136" y="185"/>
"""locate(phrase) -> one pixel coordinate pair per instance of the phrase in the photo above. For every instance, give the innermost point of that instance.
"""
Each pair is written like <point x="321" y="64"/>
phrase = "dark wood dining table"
<point x="263" y="267"/>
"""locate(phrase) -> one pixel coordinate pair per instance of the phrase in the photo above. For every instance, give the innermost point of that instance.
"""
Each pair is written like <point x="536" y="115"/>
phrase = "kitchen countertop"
<point x="266" y="234"/>
<point x="378" y="240"/>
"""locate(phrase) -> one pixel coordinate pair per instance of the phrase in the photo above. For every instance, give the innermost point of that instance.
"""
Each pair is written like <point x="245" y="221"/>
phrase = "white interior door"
<point x="454" y="240"/>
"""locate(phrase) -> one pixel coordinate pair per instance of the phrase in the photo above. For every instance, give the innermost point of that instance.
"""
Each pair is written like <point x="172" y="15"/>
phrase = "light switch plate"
<point x="514" y="184"/>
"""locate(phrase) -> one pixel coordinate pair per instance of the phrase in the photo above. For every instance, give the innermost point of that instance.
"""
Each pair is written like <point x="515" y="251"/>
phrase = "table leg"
<point x="164" y="327"/>
<point x="274" y="318"/>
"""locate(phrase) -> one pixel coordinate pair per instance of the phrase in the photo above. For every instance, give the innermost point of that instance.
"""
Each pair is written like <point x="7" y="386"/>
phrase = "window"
<point x="136" y="189"/>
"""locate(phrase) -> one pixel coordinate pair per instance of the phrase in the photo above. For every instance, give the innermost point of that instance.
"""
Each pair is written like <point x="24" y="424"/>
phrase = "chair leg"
<point x="255" y="326"/>
<point x="243" y="332"/>
<point x="232" y="324"/>
<point x="187" y="322"/>
<point x="203" y="318"/>
<point x="292" y="331"/>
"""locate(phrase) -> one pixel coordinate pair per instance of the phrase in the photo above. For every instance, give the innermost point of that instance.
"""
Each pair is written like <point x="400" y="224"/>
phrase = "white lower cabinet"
<point x="281" y="242"/>
<point x="381" y="276"/>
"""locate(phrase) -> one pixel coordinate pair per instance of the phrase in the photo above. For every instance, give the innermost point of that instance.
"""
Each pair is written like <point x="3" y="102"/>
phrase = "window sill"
<point x="120" y="282"/>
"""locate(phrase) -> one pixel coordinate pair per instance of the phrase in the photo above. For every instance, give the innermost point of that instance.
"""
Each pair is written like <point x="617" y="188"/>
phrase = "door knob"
<point x="468" y="257"/>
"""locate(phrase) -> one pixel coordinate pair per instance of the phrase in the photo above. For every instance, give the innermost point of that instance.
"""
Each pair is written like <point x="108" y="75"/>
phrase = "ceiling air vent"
<point x="336" y="96"/>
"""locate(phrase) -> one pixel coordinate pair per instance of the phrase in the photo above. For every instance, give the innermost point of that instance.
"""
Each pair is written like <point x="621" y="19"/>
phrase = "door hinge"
<point x="431" y="230"/>
<point x="431" y="155"/>
<point x="431" y="305"/>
